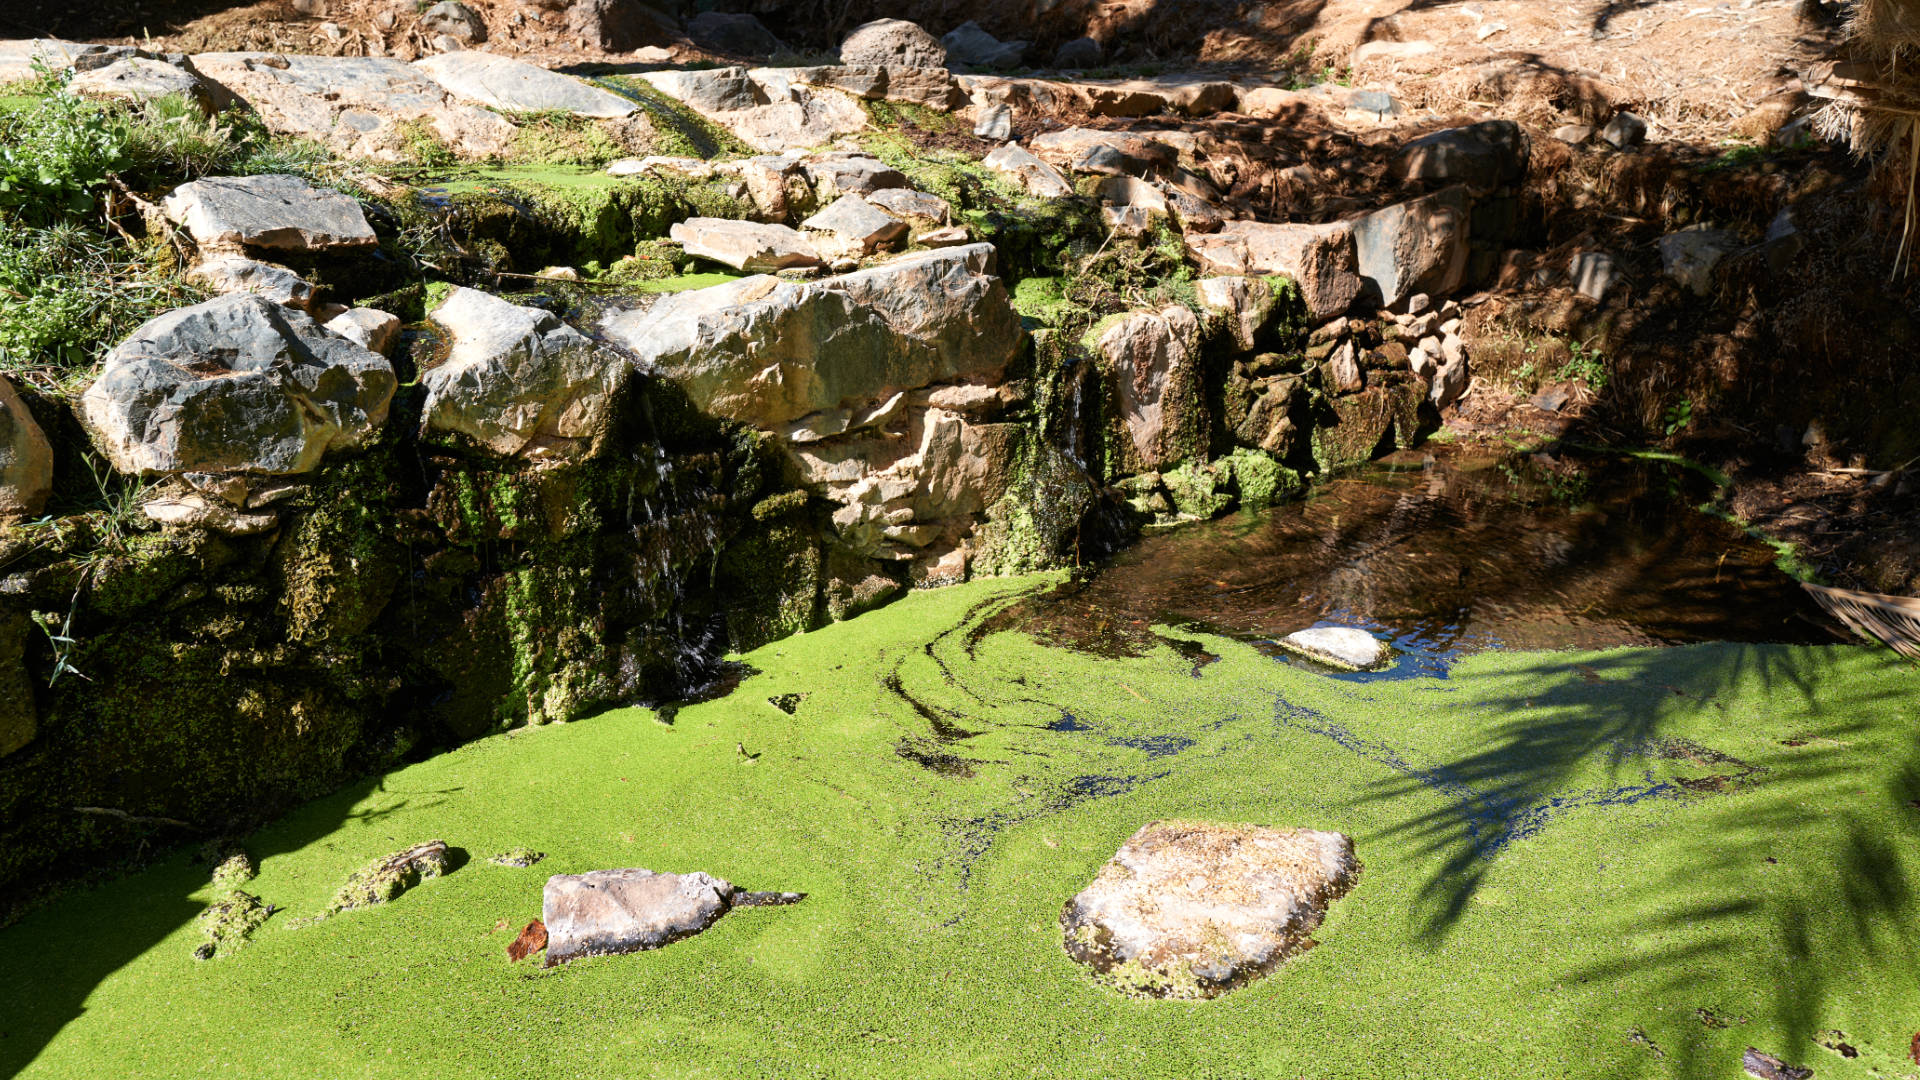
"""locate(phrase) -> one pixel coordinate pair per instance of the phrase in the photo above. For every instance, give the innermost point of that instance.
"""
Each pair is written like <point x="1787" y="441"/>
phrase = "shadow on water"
<point x="1443" y="553"/>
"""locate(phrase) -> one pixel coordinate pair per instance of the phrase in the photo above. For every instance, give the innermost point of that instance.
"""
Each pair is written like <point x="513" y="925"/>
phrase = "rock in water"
<point x="385" y="878"/>
<point x="1193" y="909"/>
<point x="892" y="41"/>
<point x="608" y="912"/>
<point x="274" y="211"/>
<point x="237" y="384"/>
<point x="518" y="380"/>
<point x="26" y="460"/>
<point x="1342" y="646"/>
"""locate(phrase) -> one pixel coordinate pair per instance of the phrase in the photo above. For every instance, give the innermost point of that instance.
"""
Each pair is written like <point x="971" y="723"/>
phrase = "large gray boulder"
<point x="1414" y="247"/>
<point x="277" y="212"/>
<point x="753" y="246"/>
<point x="769" y="352"/>
<point x="708" y="90"/>
<point x="608" y="912"/>
<point x="237" y="384"/>
<point x="518" y="380"/>
<point x="502" y="82"/>
<point x="26" y="459"/>
<point x="1318" y="258"/>
<point x="1194" y="909"/>
<point x="892" y="41"/>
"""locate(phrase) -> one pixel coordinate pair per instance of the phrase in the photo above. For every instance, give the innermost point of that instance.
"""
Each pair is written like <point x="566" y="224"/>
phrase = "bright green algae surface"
<point x="1541" y="895"/>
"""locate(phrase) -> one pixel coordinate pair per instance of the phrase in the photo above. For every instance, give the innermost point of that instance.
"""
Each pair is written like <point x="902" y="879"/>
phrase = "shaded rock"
<point x="1573" y="134"/>
<point x="1593" y="273"/>
<point x="26" y="460"/>
<point x="858" y="223"/>
<point x="712" y="90"/>
<point x="1320" y="259"/>
<point x="505" y="83"/>
<point x="19" y="719"/>
<point x="137" y="78"/>
<point x="517" y="380"/>
<point x="608" y="912"/>
<point x="194" y="511"/>
<point x="618" y="25"/>
<point x="278" y="212"/>
<point x="850" y="174"/>
<point x="770" y="352"/>
<point x="237" y="273"/>
<point x="236" y="384"/>
<point x="733" y="34"/>
<point x="369" y="328"/>
<point x="995" y="124"/>
<point x="1625" y="131"/>
<point x="1449" y="380"/>
<point x="1194" y="909"/>
<point x="455" y="20"/>
<point x="911" y="205"/>
<point x="1691" y="255"/>
<point x="752" y="246"/>
<point x="970" y="45"/>
<point x="1248" y="304"/>
<point x="1343" y="368"/>
<point x="1152" y="360"/>
<point x="1784" y="241"/>
<point x="1188" y="95"/>
<point x="892" y="41"/>
<point x="1485" y="155"/>
<point x="1032" y="175"/>
<point x="1080" y="52"/>
<point x="1413" y="247"/>
<point x="1342" y="646"/>
<point x="355" y="104"/>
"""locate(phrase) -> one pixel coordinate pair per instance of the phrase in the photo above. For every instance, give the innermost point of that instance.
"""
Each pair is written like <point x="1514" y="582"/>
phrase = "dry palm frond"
<point x="1874" y="97"/>
<point x="1893" y="620"/>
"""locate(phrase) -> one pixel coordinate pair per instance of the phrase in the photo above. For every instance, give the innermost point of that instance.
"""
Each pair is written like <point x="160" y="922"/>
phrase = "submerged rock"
<point x="607" y="912"/>
<point x="274" y="211"/>
<point x="518" y="380"/>
<point x="1194" y="909"/>
<point x="236" y="384"/>
<point x="26" y="460"/>
<point x="1341" y="646"/>
<point x="385" y="878"/>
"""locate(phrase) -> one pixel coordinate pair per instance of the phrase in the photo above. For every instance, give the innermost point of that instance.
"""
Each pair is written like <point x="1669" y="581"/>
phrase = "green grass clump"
<point x="1561" y="849"/>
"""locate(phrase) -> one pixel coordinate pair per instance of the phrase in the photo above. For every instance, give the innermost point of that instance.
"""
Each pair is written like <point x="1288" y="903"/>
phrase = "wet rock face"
<point x="278" y="212"/>
<point x="26" y="458"/>
<point x="892" y="41"/>
<point x="1194" y="909"/>
<point x="518" y="380"/>
<point x="237" y="384"/>
<point x="607" y="912"/>
<point x="1152" y="361"/>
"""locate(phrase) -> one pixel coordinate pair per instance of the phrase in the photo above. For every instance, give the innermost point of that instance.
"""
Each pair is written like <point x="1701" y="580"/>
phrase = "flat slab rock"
<point x="608" y="912"/>
<point x="505" y="83"/>
<point x="1193" y="909"/>
<point x="279" y="212"/>
<point x="1341" y="646"/>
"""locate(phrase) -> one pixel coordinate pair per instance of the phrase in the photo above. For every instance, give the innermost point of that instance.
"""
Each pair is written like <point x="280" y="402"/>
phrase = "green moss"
<point x="1197" y="490"/>
<point x="1537" y="883"/>
<point x="1260" y="480"/>
<point x="562" y="138"/>
<point x="228" y="922"/>
<point x="388" y="876"/>
<point x="678" y="130"/>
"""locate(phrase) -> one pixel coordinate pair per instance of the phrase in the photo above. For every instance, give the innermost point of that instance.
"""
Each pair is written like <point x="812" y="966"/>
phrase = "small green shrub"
<point x="54" y="152"/>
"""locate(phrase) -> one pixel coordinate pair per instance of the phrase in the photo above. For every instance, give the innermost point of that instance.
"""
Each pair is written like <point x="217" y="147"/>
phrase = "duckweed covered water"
<point x="1627" y="862"/>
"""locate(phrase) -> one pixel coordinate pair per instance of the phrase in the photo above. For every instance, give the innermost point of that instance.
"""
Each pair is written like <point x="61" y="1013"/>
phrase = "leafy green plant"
<point x="66" y="291"/>
<point x="1677" y="417"/>
<point x="54" y="153"/>
<point x="1587" y="365"/>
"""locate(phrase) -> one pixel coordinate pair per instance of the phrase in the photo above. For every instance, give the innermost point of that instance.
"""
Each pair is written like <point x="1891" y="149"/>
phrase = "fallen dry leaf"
<point x="532" y="939"/>
<point x="1914" y="1050"/>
